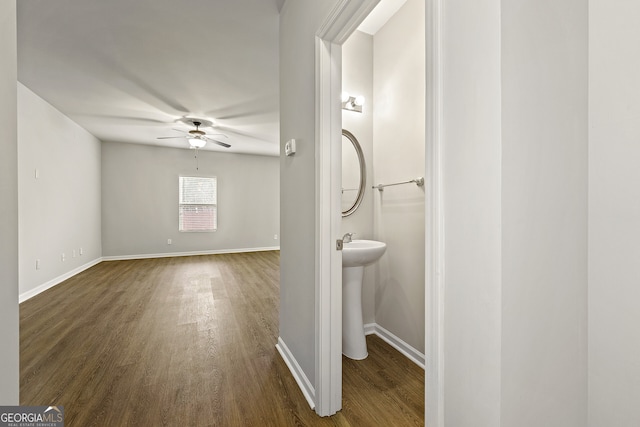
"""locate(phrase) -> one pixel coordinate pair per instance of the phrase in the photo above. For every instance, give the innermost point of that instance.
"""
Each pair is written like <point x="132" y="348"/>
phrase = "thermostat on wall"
<point x="290" y="147"/>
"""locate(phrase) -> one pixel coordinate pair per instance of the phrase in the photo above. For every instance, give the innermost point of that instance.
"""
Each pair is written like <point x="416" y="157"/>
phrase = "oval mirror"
<point x="354" y="173"/>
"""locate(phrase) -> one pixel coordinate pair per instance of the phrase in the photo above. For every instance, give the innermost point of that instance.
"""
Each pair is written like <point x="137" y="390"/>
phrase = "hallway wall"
<point x="472" y="224"/>
<point x="9" y="357"/>
<point x="60" y="208"/>
<point x="614" y="213"/>
<point x="544" y="213"/>
<point x="299" y="20"/>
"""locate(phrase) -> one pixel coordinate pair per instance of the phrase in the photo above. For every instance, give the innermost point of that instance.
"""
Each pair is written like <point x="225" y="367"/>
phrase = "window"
<point x="198" y="210"/>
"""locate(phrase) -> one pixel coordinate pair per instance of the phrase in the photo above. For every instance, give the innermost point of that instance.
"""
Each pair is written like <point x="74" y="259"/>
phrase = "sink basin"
<point x="359" y="253"/>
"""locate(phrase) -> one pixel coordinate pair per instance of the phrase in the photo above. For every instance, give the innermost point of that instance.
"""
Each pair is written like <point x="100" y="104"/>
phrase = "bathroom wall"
<point x="59" y="208"/>
<point x="357" y="79"/>
<point x="391" y="132"/>
<point x="140" y="200"/>
<point x="398" y="155"/>
<point x="614" y="213"/>
<point x="9" y="336"/>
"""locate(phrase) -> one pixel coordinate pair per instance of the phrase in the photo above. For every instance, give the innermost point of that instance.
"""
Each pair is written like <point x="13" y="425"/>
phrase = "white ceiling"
<point x="134" y="70"/>
<point x="131" y="70"/>
<point x="380" y="15"/>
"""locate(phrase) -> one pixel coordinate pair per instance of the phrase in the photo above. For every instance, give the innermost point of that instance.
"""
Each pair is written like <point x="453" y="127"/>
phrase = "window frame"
<point x="181" y="204"/>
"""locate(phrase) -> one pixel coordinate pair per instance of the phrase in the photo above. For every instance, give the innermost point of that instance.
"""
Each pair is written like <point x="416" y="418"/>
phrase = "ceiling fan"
<point x="198" y="138"/>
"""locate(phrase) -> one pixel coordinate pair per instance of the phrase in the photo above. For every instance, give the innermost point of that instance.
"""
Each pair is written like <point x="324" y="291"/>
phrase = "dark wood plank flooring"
<point x="190" y="341"/>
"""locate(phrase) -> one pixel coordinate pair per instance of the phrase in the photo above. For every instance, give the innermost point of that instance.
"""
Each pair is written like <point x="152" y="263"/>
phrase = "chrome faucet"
<point x="347" y="237"/>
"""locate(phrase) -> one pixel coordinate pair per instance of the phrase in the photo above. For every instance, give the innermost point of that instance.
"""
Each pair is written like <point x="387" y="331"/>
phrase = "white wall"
<point x="391" y="132"/>
<point x="544" y="213"/>
<point x="357" y="79"/>
<point x="516" y="183"/>
<point x="515" y="189"/>
<point x="398" y="155"/>
<point x="59" y="210"/>
<point x="614" y="213"/>
<point x="9" y="358"/>
<point x="472" y="201"/>
<point x="299" y="21"/>
<point x="140" y="200"/>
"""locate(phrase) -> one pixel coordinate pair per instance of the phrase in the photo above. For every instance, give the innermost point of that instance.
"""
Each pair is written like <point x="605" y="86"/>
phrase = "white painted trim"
<point x="193" y="253"/>
<point x="394" y="341"/>
<point x="344" y="19"/>
<point x="434" y="220"/>
<point x="328" y="293"/>
<point x="53" y="282"/>
<point x="339" y="24"/>
<point x="303" y="382"/>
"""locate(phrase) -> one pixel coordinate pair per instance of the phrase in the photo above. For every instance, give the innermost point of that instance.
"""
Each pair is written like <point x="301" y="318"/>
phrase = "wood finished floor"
<point x="190" y="341"/>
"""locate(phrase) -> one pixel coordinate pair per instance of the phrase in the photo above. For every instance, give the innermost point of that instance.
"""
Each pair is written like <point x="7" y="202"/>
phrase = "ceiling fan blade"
<point x="225" y="145"/>
<point x="217" y="134"/>
<point x="170" y="137"/>
<point x="180" y="130"/>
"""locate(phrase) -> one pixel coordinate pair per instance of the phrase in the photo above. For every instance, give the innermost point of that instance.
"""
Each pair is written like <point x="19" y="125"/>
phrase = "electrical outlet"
<point x="63" y="257"/>
<point x="275" y="237"/>
<point x="169" y="241"/>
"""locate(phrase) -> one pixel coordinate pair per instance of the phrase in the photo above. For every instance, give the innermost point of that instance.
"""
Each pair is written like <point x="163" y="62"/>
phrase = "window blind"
<point x="198" y="208"/>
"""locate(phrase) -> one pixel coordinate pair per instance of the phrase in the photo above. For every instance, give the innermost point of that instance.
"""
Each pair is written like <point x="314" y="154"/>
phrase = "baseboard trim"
<point x="53" y="282"/>
<point x="192" y="253"/>
<point x="298" y="374"/>
<point x="414" y="355"/>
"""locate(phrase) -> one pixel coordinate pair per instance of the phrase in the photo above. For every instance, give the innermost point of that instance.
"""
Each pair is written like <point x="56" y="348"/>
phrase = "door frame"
<point x="338" y="26"/>
<point x="328" y="317"/>
<point x="434" y="218"/>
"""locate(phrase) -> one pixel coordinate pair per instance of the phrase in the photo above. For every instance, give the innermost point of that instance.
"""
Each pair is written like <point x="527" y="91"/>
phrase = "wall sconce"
<point x="352" y="103"/>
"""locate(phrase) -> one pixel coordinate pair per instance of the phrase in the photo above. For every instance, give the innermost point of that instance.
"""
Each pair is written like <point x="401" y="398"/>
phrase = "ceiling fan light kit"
<point x="198" y="138"/>
<point x="197" y="142"/>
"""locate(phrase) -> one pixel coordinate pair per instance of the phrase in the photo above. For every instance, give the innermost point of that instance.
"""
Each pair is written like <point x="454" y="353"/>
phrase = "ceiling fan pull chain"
<point x="197" y="165"/>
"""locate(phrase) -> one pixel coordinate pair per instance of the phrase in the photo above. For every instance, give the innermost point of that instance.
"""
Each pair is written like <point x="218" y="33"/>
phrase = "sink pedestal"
<point x="354" y="344"/>
<point x="355" y="255"/>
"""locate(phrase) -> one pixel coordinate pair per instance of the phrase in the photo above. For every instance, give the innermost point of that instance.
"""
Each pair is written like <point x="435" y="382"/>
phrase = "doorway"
<point x="334" y="32"/>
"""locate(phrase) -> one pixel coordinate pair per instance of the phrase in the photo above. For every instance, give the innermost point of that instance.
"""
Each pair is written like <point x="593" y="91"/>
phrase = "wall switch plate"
<point x="37" y="264"/>
<point x="81" y="251"/>
<point x="169" y="241"/>
<point x="290" y="147"/>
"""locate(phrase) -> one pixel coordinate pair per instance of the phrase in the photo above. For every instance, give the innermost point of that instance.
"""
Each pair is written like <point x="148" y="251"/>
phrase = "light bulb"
<point x="345" y="96"/>
<point x="359" y="100"/>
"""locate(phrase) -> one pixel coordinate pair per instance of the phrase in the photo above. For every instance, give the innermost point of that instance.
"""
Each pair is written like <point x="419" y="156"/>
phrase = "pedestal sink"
<point x="355" y="255"/>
